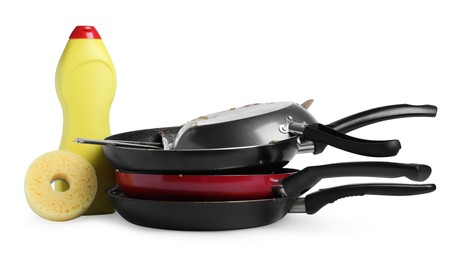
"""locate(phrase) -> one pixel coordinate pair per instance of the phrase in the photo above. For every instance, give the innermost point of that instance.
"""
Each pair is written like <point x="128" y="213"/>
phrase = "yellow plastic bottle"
<point x="86" y="85"/>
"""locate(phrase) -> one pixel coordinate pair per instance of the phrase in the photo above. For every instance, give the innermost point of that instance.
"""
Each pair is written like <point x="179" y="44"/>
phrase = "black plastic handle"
<point x="379" y="114"/>
<point x="375" y="115"/>
<point x="322" y="135"/>
<point x="317" y="200"/>
<point x="305" y="179"/>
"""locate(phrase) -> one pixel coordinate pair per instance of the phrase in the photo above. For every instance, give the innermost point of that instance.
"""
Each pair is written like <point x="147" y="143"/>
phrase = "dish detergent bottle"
<point x="86" y="85"/>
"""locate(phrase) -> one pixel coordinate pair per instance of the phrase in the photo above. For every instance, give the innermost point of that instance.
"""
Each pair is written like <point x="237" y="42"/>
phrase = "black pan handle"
<point x="315" y="201"/>
<point x="322" y="135"/>
<point x="375" y="115"/>
<point x="379" y="114"/>
<point x="305" y="179"/>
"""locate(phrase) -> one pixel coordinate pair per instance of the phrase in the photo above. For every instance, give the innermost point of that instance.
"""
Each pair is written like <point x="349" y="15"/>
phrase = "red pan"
<point x="191" y="187"/>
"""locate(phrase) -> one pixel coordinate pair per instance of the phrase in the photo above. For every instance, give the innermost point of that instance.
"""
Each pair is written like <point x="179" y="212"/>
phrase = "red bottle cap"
<point x="85" y="32"/>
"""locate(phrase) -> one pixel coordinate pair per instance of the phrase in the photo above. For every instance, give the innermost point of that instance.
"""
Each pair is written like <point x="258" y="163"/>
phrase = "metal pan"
<point x="229" y="215"/>
<point x="250" y="125"/>
<point x="246" y="186"/>
<point x="261" y="124"/>
<point x="260" y="158"/>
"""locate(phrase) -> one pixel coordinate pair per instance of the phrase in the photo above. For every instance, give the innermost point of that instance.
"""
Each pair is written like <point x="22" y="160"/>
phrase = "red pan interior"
<point x="200" y="187"/>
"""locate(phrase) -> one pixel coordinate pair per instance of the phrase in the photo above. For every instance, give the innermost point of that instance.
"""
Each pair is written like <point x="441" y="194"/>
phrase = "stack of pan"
<point x="226" y="170"/>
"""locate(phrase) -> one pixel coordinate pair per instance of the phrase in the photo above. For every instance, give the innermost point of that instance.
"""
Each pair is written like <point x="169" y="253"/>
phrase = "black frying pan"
<point x="260" y="158"/>
<point x="264" y="123"/>
<point x="228" y="215"/>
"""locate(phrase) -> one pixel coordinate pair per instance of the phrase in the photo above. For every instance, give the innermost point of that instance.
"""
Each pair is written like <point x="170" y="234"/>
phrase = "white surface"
<point x="177" y="60"/>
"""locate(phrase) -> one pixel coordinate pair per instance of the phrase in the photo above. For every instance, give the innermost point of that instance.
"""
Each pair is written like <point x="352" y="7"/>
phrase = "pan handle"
<point x="322" y="135"/>
<point x="379" y="114"/>
<point x="305" y="179"/>
<point x="375" y="115"/>
<point x="313" y="202"/>
<point x="120" y="143"/>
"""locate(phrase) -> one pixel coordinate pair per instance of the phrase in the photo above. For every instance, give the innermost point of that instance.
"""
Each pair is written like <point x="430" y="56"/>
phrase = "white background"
<point x="177" y="60"/>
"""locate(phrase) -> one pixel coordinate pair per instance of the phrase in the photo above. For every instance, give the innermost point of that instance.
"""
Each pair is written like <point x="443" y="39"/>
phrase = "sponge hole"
<point x="59" y="185"/>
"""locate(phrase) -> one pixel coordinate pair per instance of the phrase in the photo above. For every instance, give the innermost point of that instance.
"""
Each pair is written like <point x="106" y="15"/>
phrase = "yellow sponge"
<point x="65" y="166"/>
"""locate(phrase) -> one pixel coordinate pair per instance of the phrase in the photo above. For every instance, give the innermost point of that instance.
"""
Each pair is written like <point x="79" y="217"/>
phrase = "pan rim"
<point x="282" y="171"/>
<point x="277" y="142"/>
<point x="117" y="193"/>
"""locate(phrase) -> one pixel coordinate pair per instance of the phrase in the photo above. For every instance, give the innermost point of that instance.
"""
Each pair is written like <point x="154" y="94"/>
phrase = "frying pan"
<point x="254" y="186"/>
<point x="239" y="214"/>
<point x="260" y="158"/>
<point x="261" y="124"/>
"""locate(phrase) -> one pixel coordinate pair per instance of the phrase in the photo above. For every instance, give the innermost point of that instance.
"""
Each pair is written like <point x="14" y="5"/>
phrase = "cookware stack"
<point x="227" y="170"/>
